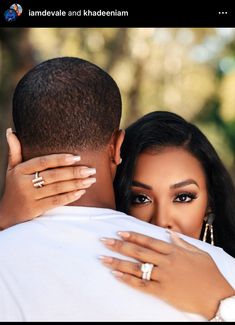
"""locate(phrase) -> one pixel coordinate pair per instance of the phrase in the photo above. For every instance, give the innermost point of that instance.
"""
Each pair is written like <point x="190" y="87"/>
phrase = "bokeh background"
<point x="189" y="71"/>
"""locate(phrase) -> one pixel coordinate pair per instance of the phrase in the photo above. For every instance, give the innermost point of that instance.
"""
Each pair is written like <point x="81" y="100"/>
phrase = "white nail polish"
<point x="89" y="181"/>
<point x="79" y="193"/>
<point x="8" y="131"/>
<point x="76" y="158"/>
<point x="72" y="159"/>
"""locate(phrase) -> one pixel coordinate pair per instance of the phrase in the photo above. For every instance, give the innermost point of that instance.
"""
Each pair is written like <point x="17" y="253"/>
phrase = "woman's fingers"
<point x="63" y="187"/>
<point x="66" y="173"/>
<point x="122" y="266"/>
<point x="50" y="161"/>
<point x="152" y="287"/>
<point x="126" y="266"/>
<point x="146" y="241"/>
<point x="182" y="243"/>
<point x="14" y="156"/>
<point x="132" y="250"/>
<point x="59" y="200"/>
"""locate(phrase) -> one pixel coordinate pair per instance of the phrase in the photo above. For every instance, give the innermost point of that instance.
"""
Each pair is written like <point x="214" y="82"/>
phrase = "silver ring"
<point x="38" y="180"/>
<point x="146" y="269"/>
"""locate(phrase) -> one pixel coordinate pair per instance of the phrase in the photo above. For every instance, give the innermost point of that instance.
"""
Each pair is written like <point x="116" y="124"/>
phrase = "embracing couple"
<point x="163" y="172"/>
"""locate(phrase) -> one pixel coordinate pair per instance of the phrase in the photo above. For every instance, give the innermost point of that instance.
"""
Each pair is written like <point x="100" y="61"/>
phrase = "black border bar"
<point x="142" y="14"/>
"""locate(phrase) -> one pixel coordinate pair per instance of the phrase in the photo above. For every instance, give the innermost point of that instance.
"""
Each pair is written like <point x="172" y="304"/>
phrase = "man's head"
<point x="65" y="105"/>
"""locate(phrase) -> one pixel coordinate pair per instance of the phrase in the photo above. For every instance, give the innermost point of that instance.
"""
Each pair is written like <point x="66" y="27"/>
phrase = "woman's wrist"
<point x="1" y="217"/>
<point x="223" y="290"/>
<point x="225" y="294"/>
<point x="4" y="218"/>
<point x="226" y="310"/>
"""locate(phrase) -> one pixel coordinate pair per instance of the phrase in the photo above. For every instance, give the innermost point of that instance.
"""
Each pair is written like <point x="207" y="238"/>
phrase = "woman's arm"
<point x="183" y="275"/>
<point x="64" y="183"/>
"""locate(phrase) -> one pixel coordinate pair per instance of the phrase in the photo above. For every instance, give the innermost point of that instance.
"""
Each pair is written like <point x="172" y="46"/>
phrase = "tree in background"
<point x="16" y="57"/>
<point x="185" y="70"/>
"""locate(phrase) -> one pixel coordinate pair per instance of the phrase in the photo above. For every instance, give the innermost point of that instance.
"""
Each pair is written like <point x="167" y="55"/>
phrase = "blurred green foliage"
<point x="190" y="71"/>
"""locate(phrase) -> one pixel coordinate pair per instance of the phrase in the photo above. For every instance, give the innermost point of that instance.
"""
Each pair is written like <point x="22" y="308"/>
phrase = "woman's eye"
<point x="185" y="197"/>
<point x="140" y="199"/>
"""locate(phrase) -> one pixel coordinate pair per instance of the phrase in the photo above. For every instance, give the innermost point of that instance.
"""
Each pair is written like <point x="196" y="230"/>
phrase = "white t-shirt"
<point x="49" y="270"/>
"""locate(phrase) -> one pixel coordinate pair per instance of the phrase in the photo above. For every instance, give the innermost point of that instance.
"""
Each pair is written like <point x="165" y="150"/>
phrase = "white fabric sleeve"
<point x="9" y="308"/>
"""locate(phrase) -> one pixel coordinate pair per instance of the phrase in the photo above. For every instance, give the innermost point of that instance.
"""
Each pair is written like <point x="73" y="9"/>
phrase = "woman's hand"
<point x="183" y="275"/>
<point x="64" y="183"/>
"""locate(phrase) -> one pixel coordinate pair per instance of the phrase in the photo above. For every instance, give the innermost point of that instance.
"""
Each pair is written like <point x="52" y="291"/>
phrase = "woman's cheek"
<point x="141" y="212"/>
<point x="190" y="221"/>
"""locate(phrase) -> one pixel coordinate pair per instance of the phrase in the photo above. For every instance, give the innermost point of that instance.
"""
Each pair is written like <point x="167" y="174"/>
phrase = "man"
<point x="49" y="266"/>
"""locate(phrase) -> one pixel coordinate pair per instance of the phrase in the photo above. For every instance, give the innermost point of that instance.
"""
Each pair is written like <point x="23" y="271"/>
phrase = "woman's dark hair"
<point x="160" y="129"/>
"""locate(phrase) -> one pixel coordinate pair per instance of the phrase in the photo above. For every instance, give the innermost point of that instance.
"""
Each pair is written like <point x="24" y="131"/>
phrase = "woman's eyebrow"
<point x="139" y="184"/>
<point x="185" y="182"/>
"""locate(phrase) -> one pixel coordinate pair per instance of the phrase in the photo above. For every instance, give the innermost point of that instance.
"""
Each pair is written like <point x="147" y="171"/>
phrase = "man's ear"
<point x="115" y="146"/>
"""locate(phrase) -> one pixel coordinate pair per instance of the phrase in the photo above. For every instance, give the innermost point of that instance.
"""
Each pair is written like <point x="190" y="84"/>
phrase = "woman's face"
<point x="169" y="190"/>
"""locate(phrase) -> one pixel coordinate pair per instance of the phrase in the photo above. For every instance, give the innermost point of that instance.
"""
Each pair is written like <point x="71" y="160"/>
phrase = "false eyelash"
<point x="191" y="195"/>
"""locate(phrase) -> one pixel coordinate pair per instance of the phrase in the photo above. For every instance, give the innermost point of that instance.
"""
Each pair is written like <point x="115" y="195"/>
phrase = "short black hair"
<point x="66" y="104"/>
<point x="160" y="129"/>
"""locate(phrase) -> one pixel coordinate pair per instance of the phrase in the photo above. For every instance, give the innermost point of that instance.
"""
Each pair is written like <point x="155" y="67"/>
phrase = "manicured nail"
<point x="172" y="233"/>
<point x="8" y="131"/>
<point x="106" y="259"/>
<point x="124" y="234"/>
<point x="87" y="171"/>
<point x="79" y="193"/>
<point x="72" y="159"/>
<point x="88" y="181"/>
<point x="117" y="274"/>
<point x="76" y="158"/>
<point x="108" y="241"/>
<point x="168" y="231"/>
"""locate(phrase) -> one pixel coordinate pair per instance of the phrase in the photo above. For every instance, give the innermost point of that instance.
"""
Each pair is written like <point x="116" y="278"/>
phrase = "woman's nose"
<point x="163" y="218"/>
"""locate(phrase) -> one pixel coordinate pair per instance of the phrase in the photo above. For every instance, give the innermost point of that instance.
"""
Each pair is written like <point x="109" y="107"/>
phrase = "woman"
<point x="157" y="148"/>
<point x="171" y="176"/>
<point x="178" y="199"/>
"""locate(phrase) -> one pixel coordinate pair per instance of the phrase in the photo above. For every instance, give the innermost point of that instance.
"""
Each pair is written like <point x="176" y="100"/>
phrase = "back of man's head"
<point x="65" y="105"/>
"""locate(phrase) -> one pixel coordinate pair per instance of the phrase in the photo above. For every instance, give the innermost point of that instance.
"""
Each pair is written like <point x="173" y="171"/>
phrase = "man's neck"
<point x="101" y="193"/>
